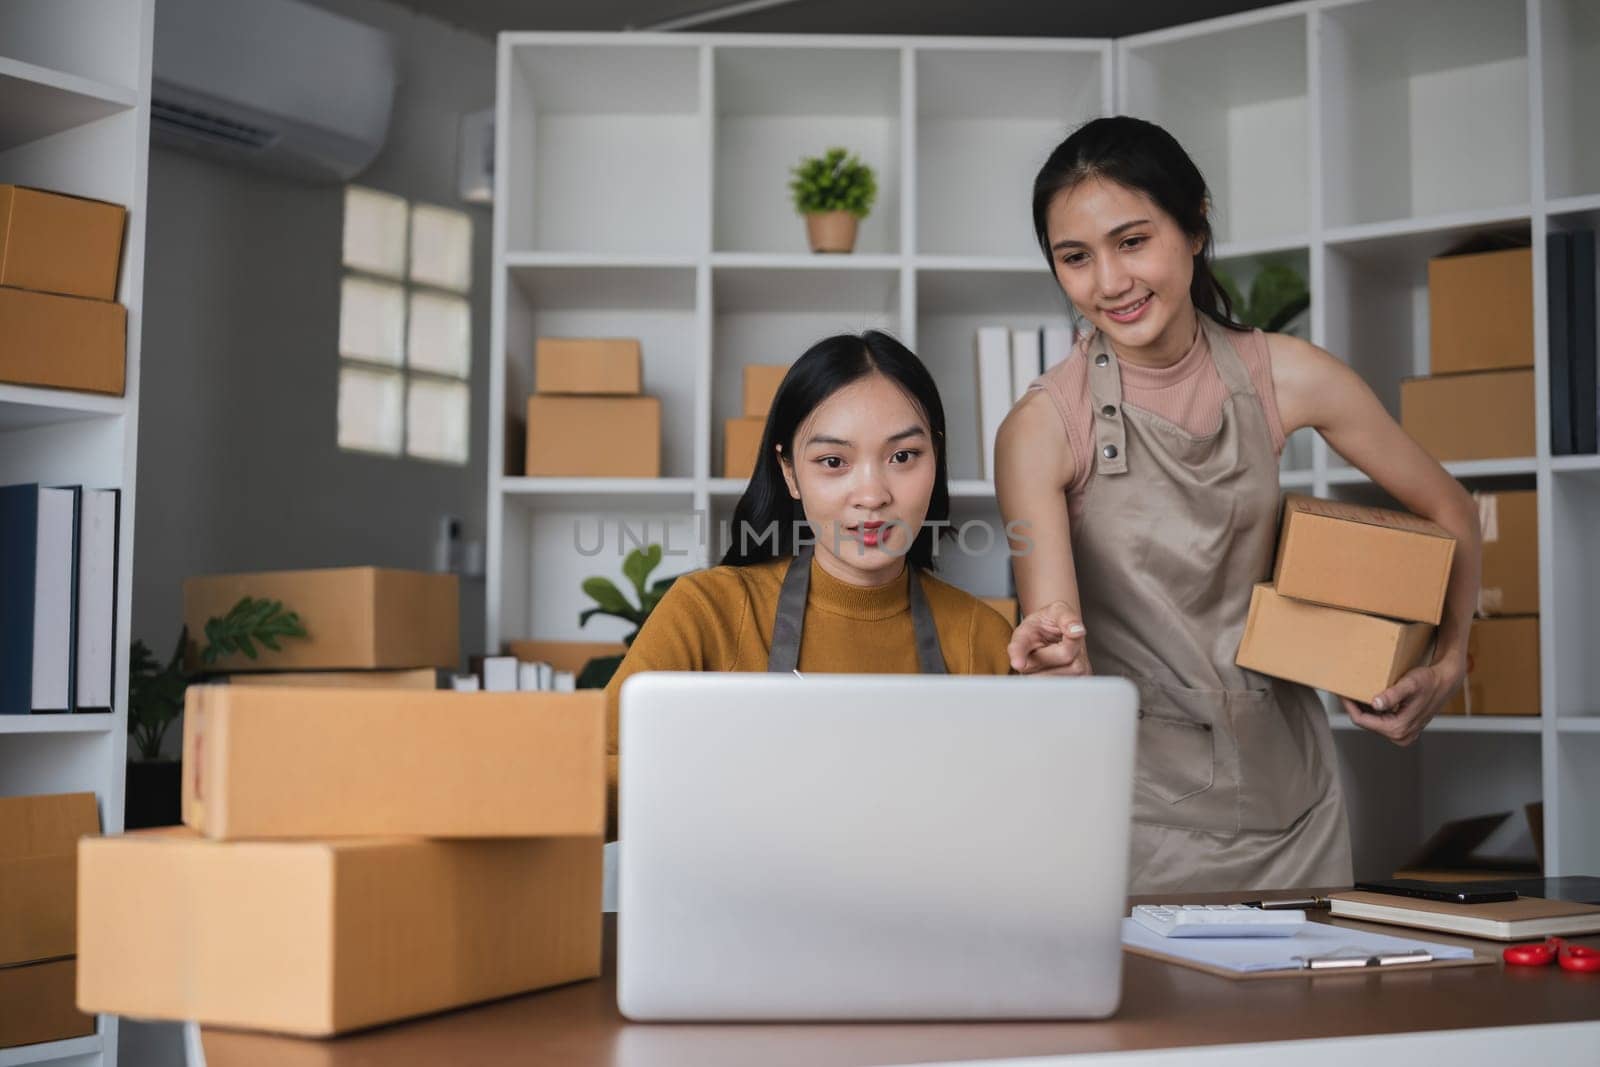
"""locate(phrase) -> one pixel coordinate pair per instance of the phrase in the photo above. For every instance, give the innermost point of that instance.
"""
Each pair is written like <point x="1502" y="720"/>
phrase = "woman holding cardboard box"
<point x="833" y="543"/>
<point x="1146" y="469"/>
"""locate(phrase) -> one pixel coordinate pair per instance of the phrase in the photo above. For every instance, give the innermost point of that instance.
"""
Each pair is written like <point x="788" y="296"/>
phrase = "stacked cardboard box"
<point x="356" y="852"/>
<point x="38" y="916"/>
<point x="1355" y="597"/>
<point x="1477" y="402"/>
<point x="60" y="326"/>
<point x="1503" y="648"/>
<point x="589" y="417"/>
<point x="741" y="437"/>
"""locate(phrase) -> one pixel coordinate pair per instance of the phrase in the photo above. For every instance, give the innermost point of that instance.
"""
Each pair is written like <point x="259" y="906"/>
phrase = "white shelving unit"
<point x="75" y="117"/>
<point x="644" y="194"/>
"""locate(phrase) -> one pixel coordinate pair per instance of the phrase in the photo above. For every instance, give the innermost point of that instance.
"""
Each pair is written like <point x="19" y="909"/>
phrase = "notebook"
<point x="1278" y="957"/>
<point x="1514" y="920"/>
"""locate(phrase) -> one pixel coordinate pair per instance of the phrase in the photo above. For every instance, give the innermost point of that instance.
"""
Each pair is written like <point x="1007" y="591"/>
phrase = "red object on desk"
<point x="1570" y="957"/>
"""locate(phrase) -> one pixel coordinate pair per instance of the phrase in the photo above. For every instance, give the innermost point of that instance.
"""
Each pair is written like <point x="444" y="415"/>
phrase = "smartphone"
<point x="1441" y="891"/>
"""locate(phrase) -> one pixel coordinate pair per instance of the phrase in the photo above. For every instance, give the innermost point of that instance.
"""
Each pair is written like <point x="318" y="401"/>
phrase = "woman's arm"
<point x="1034" y="467"/>
<point x="1315" y="389"/>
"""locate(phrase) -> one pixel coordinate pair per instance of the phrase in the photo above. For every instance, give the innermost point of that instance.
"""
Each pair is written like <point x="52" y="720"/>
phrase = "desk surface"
<point x="1163" y="1006"/>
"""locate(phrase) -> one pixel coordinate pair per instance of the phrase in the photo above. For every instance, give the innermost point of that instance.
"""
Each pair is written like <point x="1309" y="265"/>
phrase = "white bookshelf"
<point x="75" y="117"/>
<point x="1353" y="140"/>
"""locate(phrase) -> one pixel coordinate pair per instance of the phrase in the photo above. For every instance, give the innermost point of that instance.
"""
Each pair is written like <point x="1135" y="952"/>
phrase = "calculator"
<point x="1217" y="920"/>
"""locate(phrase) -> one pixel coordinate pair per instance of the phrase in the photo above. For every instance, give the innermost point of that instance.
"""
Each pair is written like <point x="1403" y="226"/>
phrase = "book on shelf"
<point x="1058" y="342"/>
<point x="97" y="598"/>
<point x="1027" y="361"/>
<point x="1558" y="275"/>
<point x="994" y="389"/>
<point x="1585" y="372"/>
<point x="38" y="598"/>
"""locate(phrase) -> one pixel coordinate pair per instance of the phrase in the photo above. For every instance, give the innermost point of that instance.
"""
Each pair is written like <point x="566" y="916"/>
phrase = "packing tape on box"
<point x="1489" y="516"/>
<point x="1490" y="600"/>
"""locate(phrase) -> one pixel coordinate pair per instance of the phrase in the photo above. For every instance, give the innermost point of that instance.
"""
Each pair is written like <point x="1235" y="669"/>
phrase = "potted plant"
<point x="834" y="191"/>
<point x="1278" y="297"/>
<point x="155" y="700"/>
<point x="609" y="600"/>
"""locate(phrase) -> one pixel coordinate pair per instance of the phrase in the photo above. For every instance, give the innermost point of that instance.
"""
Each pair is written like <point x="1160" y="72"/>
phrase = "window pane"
<point x="370" y="410"/>
<point x="374" y="231"/>
<point x="372" y="321"/>
<point x="439" y="337"/>
<point x="441" y="248"/>
<point x="437" y="420"/>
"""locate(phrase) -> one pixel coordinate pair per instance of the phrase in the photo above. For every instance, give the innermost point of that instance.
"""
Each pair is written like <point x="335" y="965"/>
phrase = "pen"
<point x="1303" y="903"/>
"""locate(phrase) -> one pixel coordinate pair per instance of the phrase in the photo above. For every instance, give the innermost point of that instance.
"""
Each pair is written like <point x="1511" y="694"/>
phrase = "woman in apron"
<point x="832" y="544"/>
<point x="1146" y="469"/>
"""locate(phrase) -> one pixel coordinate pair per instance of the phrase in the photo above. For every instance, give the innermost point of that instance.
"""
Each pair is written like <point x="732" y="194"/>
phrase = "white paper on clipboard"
<point x="1253" y="955"/>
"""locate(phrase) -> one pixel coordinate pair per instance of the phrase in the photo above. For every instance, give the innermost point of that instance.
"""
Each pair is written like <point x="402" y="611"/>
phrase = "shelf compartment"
<point x="1575" y="517"/>
<point x="36" y="103"/>
<point x="24" y="407"/>
<point x="1570" y="32"/>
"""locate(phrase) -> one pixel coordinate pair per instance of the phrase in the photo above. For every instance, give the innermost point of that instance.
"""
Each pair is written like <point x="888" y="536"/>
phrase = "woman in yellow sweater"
<point x="833" y="542"/>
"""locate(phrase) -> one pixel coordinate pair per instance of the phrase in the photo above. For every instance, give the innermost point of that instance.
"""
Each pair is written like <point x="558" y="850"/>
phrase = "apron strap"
<point x="789" y="625"/>
<point x="1105" y="389"/>
<point x="1230" y="368"/>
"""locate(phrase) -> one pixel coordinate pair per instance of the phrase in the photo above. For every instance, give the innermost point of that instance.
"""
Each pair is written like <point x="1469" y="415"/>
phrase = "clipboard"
<point x="1212" y="955"/>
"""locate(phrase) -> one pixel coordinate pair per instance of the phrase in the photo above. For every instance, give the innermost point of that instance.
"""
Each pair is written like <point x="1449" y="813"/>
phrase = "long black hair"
<point x="1141" y="156"/>
<point x="767" y="519"/>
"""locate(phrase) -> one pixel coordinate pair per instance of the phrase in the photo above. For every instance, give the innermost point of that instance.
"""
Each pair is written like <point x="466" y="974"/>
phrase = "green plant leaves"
<point x="248" y="622"/>
<point x="834" y="181"/>
<point x="1277" y="294"/>
<point x="609" y="600"/>
<point x="637" y="567"/>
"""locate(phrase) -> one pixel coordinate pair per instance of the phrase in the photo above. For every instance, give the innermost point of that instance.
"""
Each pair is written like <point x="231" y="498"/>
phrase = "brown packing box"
<point x="320" y="937"/>
<point x="594" y="437"/>
<point x="1502" y="668"/>
<point x="1344" y="652"/>
<point x="260" y="762"/>
<point x="1363" y="559"/>
<point x="356" y="618"/>
<point x="1006" y="606"/>
<point x="420" y="678"/>
<point x="761" y="381"/>
<point x="741" y="446"/>
<point x="563" y="655"/>
<point x="62" y="342"/>
<point x="38" y="873"/>
<point x="1510" y="523"/>
<point x="588" y="366"/>
<point x="1480" y="311"/>
<point x="38" y="1003"/>
<point x="54" y="243"/>
<point x="1485" y="415"/>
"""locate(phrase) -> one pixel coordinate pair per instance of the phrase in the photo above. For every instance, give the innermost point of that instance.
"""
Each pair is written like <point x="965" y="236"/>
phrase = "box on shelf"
<point x="321" y="937"/>
<point x="38" y="874"/>
<point x="1365" y="559"/>
<point x="1510" y="524"/>
<point x="38" y="1003"/>
<point x="1502" y="668"/>
<point x="1480" y="311"/>
<point x="741" y="446"/>
<point x="1482" y="415"/>
<point x="62" y="342"/>
<point x="1345" y="652"/>
<point x="563" y="655"/>
<point x="418" y="678"/>
<point x="356" y="618"/>
<point x="588" y="366"/>
<point x="761" y="381"/>
<point x="1007" y="606"/>
<point x="594" y="437"/>
<point x="261" y="762"/>
<point x="55" y="243"/>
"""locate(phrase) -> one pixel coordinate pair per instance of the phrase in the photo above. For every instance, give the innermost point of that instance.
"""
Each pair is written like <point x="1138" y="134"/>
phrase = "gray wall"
<point x="239" y="467"/>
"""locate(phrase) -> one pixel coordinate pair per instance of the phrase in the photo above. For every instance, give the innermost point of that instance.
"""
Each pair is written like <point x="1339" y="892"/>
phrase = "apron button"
<point x="1109" y="411"/>
<point x="1101" y="360"/>
<point x="1110" y="451"/>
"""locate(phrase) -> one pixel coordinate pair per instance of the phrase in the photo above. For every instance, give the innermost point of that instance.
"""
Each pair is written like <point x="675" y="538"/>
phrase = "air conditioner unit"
<point x="275" y="84"/>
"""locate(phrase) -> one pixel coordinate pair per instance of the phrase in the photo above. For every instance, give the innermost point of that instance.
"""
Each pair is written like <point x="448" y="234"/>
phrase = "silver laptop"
<point x="872" y="846"/>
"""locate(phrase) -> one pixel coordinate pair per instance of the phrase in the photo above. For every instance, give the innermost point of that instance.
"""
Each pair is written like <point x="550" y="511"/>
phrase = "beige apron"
<point x="1236" y="785"/>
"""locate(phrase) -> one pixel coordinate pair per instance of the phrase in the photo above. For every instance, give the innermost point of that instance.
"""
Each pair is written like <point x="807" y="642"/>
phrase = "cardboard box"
<point x="62" y="342"/>
<point x="594" y="437"/>
<point x="420" y="678"/>
<point x="1365" y="559"/>
<point x="1006" y="606"/>
<point x="585" y="366"/>
<point x="318" y="938"/>
<point x="38" y="1003"/>
<point x="356" y="618"/>
<point x="38" y="874"/>
<point x="54" y="243"/>
<point x="761" y="381"/>
<point x="1485" y="415"/>
<point x="564" y="655"/>
<point x="1502" y="668"/>
<point x="1510" y="524"/>
<point x="260" y="762"/>
<point x="741" y="446"/>
<point x="1354" y="655"/>
<point x="1480" y="311"/>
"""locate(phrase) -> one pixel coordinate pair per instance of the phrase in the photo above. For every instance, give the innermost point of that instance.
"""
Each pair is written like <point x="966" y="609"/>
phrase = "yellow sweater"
<point x="721" y="620"/>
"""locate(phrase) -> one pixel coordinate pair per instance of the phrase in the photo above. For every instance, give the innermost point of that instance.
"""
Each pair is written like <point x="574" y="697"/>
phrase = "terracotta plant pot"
<point x="832" y="231"/>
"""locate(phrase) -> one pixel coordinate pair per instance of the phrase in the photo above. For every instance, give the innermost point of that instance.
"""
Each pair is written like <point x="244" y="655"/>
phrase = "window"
<point x="405" y="328"/>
